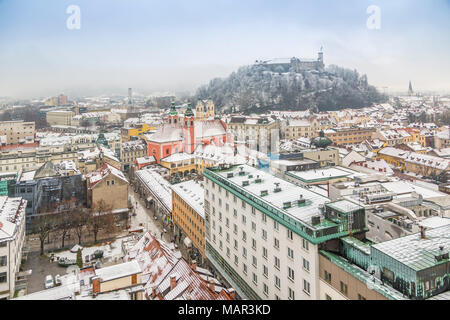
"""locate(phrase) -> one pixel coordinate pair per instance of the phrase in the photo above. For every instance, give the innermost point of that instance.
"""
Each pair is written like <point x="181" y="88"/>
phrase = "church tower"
<point x="410" y="90"/>
<point x="189" y="130"/>
<point x="173" y="115"/>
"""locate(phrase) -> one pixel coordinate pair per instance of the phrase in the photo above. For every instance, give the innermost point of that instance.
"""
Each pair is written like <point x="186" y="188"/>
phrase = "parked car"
<point x="57" y="280"/>
<point x="49" y="283"/>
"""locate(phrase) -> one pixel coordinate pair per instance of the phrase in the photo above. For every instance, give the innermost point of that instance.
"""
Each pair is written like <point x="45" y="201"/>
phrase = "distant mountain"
<point x="260" y="87"/>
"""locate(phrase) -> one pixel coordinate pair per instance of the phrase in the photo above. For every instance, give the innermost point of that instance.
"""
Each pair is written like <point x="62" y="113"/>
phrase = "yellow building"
<point x="181" y="163"/>
<point x="204" y="109"/>
<point x="188" y="213"/>
<point x="345" y="136"/>
<point x="137" y="132"/>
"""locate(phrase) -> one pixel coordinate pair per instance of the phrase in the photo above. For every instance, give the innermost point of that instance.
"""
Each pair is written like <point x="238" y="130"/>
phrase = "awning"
<point x="187" y="242"/>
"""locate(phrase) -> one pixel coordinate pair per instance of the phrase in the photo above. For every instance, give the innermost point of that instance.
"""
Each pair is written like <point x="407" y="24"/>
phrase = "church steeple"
<point x="173" y="114"/>
<point x="410" y="90"/>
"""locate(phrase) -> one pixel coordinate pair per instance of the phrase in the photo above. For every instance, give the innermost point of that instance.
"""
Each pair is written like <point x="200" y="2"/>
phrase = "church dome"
<point x="321" y="141"/>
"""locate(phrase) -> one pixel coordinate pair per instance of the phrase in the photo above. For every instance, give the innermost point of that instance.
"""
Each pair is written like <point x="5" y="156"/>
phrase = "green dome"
<point x="189" y="112"/>
<point x="321" y="141"/>
<point x="173" y="111"/>
<point x="102" y="140"/>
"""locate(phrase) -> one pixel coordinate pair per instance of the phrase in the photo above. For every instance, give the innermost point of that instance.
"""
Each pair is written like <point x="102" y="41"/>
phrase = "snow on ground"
<point x="110" y="251"/>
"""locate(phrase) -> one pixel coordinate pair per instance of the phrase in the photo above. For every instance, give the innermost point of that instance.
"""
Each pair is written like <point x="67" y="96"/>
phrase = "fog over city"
<point x="177" y="46"/>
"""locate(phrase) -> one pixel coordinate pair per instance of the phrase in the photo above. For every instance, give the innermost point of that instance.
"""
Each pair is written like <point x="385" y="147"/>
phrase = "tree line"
<point x="68" y="219"/>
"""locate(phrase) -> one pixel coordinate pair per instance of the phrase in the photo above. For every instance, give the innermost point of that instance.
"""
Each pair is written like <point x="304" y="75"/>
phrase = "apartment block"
<point x="17" y="131"/>
<point x="263" y="234"/>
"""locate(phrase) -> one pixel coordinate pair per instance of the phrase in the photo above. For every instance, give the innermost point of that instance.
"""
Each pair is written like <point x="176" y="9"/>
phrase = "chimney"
<point x="422" y="233"/>
<point x="212" y="285"/>
<point x="194" y="265"/>
<point x="232" y="293"/>
<point x="173" y="282"/>
<point x="95" y="285"/>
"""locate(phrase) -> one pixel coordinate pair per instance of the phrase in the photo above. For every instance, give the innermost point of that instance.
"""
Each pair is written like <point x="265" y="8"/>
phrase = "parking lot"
<point x="41" y="267"/>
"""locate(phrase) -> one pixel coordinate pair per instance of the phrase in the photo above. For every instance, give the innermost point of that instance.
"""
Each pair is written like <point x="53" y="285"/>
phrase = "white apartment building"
<point x="263" y="234"/>
<point x="12" y="237"/>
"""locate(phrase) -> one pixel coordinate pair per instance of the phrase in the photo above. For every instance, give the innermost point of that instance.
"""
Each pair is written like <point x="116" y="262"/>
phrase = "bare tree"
<point x="79" y="220"/>
<point x="44" y="224"/>
<point x="100" y="217"/>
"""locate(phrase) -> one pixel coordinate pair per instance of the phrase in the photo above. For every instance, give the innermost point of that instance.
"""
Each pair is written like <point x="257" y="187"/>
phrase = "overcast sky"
<point x="177" y="45"/>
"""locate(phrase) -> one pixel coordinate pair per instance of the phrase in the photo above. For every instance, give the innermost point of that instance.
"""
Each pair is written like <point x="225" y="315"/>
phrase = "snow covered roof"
<point x="12" y="213"/>
<point x="157" y="185"/>
<point x="103" y="172"/>
<point x="415" y="252"/>
<point x="118" y="271"/>
<point x="193" y="194"/>
<point x="176" y="157"/>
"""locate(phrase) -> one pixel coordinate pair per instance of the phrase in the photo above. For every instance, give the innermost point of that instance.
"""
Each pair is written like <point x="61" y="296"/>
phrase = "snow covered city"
<point x="239" y="152"/>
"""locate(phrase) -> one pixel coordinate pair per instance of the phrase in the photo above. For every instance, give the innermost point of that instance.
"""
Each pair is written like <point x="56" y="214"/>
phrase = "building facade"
<point x="12" y="238"/>
<point x="17" y="131"/>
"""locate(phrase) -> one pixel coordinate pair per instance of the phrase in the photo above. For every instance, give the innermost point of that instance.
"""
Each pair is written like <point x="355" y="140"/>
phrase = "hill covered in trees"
<point x="257" y="88"/>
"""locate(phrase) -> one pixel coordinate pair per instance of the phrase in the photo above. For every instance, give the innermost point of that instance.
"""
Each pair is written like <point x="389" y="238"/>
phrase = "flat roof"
<point x="324" y="174"/>
<point x="345" y="206"/>
<point x="289" y="192"/>
<point x="118" y="271"/>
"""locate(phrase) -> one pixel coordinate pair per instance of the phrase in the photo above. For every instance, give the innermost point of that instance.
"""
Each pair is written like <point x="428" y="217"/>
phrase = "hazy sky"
<point x="175" y="45"/>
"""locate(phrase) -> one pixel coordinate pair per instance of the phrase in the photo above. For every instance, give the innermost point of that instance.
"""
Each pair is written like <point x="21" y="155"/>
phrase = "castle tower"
<point x="189" y="130"/>
<point x="173" y="114"/>
<point x="320" y="58"/>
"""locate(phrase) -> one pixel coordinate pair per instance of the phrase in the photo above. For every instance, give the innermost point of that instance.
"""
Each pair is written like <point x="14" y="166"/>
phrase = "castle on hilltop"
<point x="293" y="64"/>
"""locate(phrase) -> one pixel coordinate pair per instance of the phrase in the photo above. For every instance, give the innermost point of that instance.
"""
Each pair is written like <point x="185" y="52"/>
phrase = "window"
<point x="277" y="263"/>
<point x="305" y="244"/>
<point x="253" y="211"/>
<point x="327" y="276"/>
<point x="291" y="294"/>
<point x="235" y="230"/>
<point x="244" y="268"/>
<point x="255" y="262"/>
<point x="290" y="235"/>
<point x="3" y="261"/>
<point x="343" y="288"/>
<point x="306" y="287"/>
<point x="244" y="252"/>
<point x="228" y="252"/>
<point x="276" y="225"/>
<point x="244" y="236"/>
<point x="3" y="277"/>
<point x="244" y="219"/>
<point x="266" y="289"/>
<point x="290" y="253"/>
<point x="253" y="244"/>
<point x="265" y="253"/>
<point x="236" y="261"/>
<point x="255" y="278"/>
<point x="235" y="213"/>
<point x="253" y="226"/>
<point x="264" y="217"/>
<point x="305" y="264"/>
<point x="265" y="271"/>
<point x="276" y="243"/>
<point x="290" y="274"/>
<point x="243" y="204"/>
<point x="264" y="234"/>
<point x="277" y="282"/>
